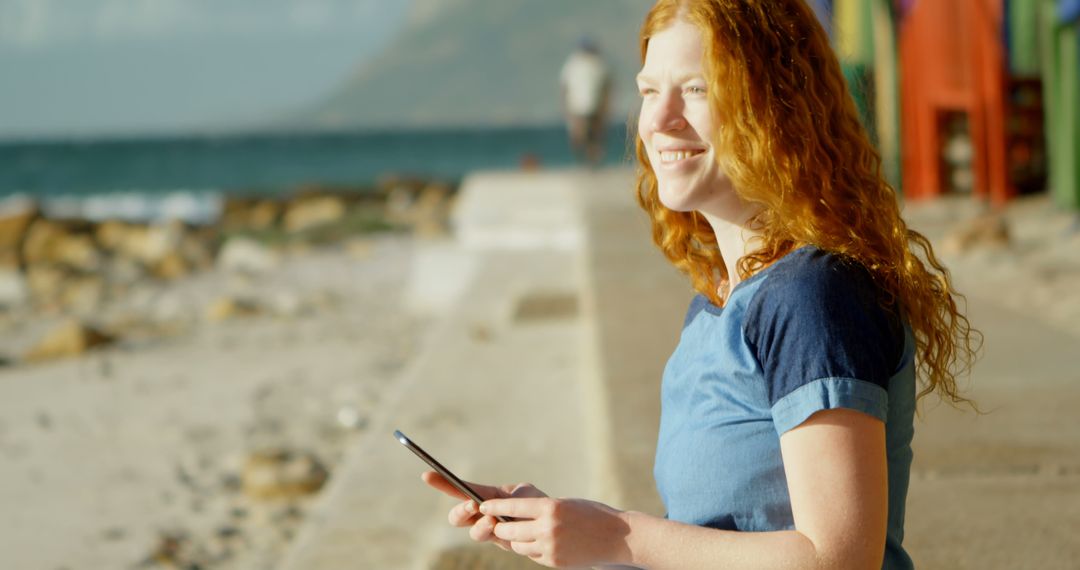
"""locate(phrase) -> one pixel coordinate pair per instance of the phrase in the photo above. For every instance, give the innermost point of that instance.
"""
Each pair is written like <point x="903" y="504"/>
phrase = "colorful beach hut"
<point x="953" y="65"/>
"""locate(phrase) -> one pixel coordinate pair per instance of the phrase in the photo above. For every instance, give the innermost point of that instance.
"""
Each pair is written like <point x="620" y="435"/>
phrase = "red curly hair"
<point x="791" y="142"/>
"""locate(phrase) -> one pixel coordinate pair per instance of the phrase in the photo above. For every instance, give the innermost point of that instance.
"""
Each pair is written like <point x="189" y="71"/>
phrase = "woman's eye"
<point x="695" y="90"/>
<point x="645" y="91"/>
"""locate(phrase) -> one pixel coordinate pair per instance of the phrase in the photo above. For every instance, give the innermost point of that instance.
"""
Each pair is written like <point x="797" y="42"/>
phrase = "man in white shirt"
<point x="586" y="83"/>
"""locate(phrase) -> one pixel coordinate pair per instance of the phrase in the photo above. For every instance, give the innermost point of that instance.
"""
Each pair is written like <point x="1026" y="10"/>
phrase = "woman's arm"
<point x="837" y="480"/>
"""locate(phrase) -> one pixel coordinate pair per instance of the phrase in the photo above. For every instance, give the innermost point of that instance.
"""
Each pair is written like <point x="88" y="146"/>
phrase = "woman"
<point x="787" y="407"/>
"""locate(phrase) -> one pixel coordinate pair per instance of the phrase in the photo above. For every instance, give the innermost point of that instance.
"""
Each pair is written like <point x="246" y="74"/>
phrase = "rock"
<point x="16" y="215"/>
<point x="78" y="252"/>
<point x="14" y="292"/>
<point x="82" y="294"/>
<point x="241" y="213"/>
<point x="431" y="211"/>
<point x="9" y="258"/>
<point x="110" y="234"/>
<point x="264" y="214"/>
<point x="171" y="267"/>
<point x="41" y="242"/>
<point x="234" y="212"/>
<point x="153" y="246"/>
<point x="227" y="308"/>
<point x="124" y="271"/>
<point x="989" y="230"/>
<point x="169" y="250"/>
<point x="150" y="244"/>
<point x="197" y="248"/>
<point x="45" y="283"/>
<point x="282" y="474"/>
<point x="246" y="255"/>
<point x="313" y="212"/>
<point x="71" y="338"/>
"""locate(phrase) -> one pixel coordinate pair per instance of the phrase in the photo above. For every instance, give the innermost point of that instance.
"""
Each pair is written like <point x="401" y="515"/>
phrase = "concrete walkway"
<point x="1002" y="490"/>
<point x="498" y="396"/>
<point x="547" y="369"/>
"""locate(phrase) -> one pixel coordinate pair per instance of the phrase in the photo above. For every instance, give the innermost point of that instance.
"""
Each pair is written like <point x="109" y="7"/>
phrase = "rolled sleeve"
<point x="827" y="394"/>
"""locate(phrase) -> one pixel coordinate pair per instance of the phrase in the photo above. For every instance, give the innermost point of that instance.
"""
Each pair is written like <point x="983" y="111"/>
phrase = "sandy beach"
<point x="134" y="456"/>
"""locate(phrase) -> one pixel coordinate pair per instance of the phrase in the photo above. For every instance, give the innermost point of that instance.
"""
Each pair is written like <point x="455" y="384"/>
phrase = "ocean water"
<point x="186" y="177"/>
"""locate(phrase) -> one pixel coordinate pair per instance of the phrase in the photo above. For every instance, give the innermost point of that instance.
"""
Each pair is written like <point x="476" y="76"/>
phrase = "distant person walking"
<point x="585" y="82"/>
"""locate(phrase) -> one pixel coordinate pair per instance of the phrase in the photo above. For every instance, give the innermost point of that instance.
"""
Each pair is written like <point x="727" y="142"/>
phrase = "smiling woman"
<point x="676" y="124"/>
<point x="787" y="407"/>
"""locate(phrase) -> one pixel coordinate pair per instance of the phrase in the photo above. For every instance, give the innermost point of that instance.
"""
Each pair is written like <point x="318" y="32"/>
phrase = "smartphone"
<point x="438" y="467"/>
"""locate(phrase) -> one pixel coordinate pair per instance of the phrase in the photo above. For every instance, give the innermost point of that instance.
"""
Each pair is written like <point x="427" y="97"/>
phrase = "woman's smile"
<point x="680" y="158"/>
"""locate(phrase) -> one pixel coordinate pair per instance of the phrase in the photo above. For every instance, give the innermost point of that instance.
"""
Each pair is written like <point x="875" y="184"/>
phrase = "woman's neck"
<point x="735" y="237"/>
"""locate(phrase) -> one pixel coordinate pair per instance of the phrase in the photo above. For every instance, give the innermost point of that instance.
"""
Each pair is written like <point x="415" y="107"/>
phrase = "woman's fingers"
<point x="516" y="531"/>
<point x="464" y="514"/>
<point x="440" y="483"/>
<point x="526" y="508"/>
<point x="483" y="531"/>
<point x="483" y="528"/>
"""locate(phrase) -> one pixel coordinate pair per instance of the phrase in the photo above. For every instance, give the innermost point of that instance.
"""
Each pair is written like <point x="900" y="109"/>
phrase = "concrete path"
<point x="1002" y="490"/>
<point x="568" y="399"/>
<point x="639" y="301"/>
<point x="497" y="397"/>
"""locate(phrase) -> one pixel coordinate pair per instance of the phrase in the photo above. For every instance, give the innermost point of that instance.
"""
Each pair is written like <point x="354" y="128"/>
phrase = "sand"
<point x="137" y="449"/>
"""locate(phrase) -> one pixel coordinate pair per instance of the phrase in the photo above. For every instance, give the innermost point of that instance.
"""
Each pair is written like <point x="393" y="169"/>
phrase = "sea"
<point x="187" y="177"/>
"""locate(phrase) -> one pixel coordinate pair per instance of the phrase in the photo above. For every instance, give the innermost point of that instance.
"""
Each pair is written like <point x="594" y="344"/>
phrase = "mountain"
<point x="479" y="63"/>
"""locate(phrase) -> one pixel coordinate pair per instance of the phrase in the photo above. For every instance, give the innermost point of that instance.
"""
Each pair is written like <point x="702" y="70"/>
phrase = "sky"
<point x="88" y="68"/>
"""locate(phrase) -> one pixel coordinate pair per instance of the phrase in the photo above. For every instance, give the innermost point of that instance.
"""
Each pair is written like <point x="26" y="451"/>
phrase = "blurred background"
<point x="218" y="219"/>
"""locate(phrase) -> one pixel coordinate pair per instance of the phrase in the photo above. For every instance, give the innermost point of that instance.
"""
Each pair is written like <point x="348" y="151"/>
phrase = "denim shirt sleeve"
<point x="823" y="340"/>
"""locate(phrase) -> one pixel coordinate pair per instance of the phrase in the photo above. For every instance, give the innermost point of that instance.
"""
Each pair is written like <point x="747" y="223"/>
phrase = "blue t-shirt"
<point x="805" y="334"/>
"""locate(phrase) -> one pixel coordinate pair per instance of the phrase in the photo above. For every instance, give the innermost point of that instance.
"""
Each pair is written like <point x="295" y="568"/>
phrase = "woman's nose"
<point x="668" y="115"/>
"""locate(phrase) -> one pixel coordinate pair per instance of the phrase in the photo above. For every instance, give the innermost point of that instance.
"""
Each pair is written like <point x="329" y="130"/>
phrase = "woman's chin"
<point x="679" y="200"/>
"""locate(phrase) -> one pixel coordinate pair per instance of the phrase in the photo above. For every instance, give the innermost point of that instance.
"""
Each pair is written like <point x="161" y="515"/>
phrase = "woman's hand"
<point x="561" y="532"/>
<point x="465" y="514"/>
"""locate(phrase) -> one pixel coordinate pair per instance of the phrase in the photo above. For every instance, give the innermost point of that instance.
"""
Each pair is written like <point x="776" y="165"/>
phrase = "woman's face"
<point x="676" y="124"/>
